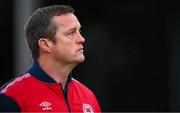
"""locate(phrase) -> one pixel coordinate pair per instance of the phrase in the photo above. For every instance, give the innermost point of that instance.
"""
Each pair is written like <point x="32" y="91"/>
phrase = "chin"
<point x="81" y="59"/>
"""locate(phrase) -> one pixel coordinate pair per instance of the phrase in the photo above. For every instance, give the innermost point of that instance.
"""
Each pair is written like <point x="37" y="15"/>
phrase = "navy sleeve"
<point x="7" y="104"/>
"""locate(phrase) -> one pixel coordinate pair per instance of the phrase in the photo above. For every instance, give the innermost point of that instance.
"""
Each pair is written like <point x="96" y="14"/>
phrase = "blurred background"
<point x="132" y="50"/>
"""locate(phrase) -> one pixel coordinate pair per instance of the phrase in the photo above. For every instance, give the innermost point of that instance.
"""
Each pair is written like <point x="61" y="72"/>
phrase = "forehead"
<point x="66" y="21"/>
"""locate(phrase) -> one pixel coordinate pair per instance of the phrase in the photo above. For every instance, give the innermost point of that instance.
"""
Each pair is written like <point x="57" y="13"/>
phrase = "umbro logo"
<point x="45" y="105"/>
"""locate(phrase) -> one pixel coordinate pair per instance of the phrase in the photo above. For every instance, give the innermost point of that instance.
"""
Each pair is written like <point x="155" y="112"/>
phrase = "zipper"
<point x="65" y="94"/>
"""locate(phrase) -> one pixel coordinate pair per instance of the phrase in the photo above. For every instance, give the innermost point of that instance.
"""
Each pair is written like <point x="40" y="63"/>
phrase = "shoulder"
<point x="85" y="93"/>
<point x="81" y="87"/>
<point x="15" y="84"/>
<point x="10" y="91"/>
<point x="7" y="104"/>
<point x="79" y="84"/>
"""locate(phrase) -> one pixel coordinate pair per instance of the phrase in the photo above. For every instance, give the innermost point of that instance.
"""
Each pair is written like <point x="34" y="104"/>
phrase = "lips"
<point x="81" y="49"/>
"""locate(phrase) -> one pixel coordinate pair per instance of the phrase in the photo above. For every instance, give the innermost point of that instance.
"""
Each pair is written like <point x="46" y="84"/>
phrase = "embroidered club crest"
<point x="87" y="108"/>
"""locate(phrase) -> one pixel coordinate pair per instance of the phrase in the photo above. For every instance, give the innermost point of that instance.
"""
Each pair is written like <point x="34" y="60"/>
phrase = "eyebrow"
<point x="72" y="29"/>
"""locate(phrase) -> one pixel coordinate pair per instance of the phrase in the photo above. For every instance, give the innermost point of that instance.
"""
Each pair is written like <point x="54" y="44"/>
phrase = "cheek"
<point x="69" y="47"/>
<point x="66" y="48"/>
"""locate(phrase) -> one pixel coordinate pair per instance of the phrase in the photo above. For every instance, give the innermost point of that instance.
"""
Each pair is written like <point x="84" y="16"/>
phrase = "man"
<point x="53" y="36"/>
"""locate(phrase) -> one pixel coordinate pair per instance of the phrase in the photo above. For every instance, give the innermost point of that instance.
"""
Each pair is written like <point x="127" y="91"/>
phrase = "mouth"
<point x="81" y="49"/>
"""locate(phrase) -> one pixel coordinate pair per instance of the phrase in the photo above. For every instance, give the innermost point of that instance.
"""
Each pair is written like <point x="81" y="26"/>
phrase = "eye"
<point x="71" y="33"/>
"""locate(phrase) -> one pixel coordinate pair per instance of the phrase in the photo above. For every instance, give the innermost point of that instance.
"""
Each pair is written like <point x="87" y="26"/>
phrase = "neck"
<point x="56" y="70"/>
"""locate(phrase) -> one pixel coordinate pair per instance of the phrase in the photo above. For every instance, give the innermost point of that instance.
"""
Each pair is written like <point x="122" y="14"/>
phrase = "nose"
<point x="80" y="39"/>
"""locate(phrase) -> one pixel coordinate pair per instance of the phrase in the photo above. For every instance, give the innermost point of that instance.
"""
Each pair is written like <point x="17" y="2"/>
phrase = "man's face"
<point x="68" y="47"/>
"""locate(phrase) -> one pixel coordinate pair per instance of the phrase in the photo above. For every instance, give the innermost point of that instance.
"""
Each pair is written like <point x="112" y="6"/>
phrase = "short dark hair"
<point x="40" y="25"/>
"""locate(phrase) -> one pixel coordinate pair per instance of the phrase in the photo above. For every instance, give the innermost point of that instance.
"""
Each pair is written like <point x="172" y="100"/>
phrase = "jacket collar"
<point x="36" y="71"/>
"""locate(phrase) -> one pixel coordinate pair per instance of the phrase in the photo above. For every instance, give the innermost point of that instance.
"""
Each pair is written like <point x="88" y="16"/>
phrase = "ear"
<point x="45" y="44"/>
